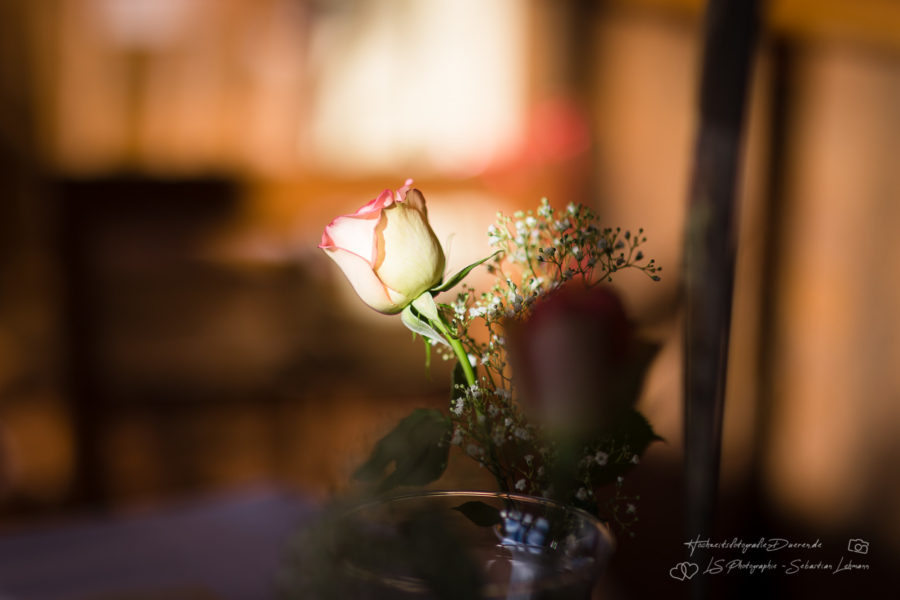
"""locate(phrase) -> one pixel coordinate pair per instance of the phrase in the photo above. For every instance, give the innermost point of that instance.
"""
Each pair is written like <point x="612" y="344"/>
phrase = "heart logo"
<point x="683" y="571"/>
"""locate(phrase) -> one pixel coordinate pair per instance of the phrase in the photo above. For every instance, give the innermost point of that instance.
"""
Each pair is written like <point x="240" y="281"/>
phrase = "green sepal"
<point x="417" y="325"/>
<point x="426" y="307"/>
<point x="455" y="279"/>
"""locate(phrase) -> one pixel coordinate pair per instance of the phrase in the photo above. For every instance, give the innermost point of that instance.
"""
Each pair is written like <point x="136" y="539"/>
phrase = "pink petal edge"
<point x="383" y="200"/>
<point x="401" y="193"/>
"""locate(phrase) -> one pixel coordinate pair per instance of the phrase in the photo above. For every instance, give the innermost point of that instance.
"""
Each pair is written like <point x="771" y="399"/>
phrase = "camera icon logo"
<point x="858" y="546"/>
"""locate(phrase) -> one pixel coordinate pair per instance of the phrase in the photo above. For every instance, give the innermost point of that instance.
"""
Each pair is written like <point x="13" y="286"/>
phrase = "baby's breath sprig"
<point x="552" y="246"/>
<point x="541" y="250"/>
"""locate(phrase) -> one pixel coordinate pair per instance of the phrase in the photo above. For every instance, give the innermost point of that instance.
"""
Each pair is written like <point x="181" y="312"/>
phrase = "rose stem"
<point x="461" y="353"/>
<point x="463" y="358"/>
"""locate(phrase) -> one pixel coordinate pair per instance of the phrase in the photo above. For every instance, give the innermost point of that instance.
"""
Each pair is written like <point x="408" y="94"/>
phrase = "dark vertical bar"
<point x="780" y="98"/>
<point x="579" y="40"/>
<point x="731" y="29"/>
<point x="81" y="378"/>
<point x="780" y="54"/>
<point x="579" y="72"/>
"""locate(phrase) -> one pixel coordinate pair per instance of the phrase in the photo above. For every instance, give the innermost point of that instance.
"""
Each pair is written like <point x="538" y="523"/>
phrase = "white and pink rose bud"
<point x="387" y="249"/>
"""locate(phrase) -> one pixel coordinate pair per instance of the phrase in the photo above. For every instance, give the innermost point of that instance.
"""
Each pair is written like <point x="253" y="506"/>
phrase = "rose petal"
<point x="383" y="200"/>
<point x="410" y="257"/>
<point x="353" y="233"/>
<point x="415" y="199"/>
<point x="401" y="193"/>
<point x="356" y="233"/>
<point x="365" y="282"/>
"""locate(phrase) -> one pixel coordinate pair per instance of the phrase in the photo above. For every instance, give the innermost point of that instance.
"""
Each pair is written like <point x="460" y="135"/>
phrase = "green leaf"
<point x="455" y="279"/>
<point x="636" y="431"/>
<point x="632" y="430"/>
<point x="418" y="446"/>
<point x="417" y="325"/>
<point x="480" y="513"/>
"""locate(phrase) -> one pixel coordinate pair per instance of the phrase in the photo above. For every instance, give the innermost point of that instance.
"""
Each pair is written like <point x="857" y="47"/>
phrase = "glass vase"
<point x="464" y="544"/>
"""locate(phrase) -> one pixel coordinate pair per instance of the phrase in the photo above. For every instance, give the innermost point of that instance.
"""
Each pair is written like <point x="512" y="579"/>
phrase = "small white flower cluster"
<point x="545" y="210"/>
<point x="457" y="437"/>
<point x="600" y="459"/>
<point x="494" y="237"/>
<point x="471" y="395"/>
<point x="539" y="251"/>
<point x="459" y="407"/>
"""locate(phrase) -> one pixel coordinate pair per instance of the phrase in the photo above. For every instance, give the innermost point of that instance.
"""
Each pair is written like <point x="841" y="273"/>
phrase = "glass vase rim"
<point x="600" y="525"/>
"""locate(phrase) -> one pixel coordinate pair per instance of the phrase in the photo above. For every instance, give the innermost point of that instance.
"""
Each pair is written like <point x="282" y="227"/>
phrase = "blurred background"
<point x="168" y="327"/>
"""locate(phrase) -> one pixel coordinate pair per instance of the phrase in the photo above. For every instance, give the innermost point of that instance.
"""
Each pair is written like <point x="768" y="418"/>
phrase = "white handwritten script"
<point x="717" y="566"/>
<point x="804" y="565"/>
<point x="769" y="545"/>
<point x="687" y="570"/>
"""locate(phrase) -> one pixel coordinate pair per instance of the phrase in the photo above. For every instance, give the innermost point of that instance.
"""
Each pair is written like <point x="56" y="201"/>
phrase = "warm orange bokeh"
<point x="260" y="360"/>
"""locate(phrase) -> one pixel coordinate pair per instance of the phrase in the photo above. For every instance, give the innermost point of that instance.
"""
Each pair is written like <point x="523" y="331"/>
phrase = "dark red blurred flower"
<point x="573" y="360"/>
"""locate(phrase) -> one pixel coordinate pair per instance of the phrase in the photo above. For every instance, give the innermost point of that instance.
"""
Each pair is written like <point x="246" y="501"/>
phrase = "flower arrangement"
<point x="547" y="369"/>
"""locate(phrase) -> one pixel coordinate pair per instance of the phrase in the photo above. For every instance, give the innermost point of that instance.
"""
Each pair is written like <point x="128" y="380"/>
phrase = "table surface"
<point x="220" y="548"/>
